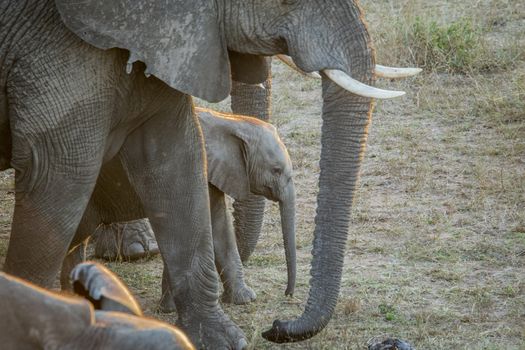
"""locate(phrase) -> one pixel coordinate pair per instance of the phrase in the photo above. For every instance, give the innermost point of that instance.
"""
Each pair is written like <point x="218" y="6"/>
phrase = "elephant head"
<point x="245" y="155"/>
<point x="185" y="43"/>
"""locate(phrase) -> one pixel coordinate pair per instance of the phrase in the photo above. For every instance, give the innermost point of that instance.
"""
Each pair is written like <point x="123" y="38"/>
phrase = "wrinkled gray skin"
<point x="73" y="112"/>
<point x="245" y="156"/>
<point x="108" y="317"/>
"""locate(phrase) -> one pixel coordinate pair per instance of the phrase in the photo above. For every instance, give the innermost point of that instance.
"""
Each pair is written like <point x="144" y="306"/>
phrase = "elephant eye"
<point x="277" y="171"/>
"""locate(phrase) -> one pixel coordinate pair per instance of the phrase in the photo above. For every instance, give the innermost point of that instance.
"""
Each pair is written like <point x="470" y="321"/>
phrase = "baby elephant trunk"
<point x="287" y="208"/>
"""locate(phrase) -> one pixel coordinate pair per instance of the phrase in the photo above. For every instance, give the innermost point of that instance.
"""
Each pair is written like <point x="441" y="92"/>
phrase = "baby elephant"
<point x="108" y="317"/>
<point x="245" y="155"/>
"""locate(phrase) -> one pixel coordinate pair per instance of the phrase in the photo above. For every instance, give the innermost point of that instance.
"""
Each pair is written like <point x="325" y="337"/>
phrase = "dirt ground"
<point x="436" y="249"/>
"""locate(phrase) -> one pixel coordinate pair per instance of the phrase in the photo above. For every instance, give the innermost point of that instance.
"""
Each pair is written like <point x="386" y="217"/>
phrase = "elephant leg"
<point x="166" y="304"/>
<point x="227" y="260"/>
<point x="52" y="192"/>
<point x="227" y="257"/>
<point x="113" y="200"/>
<point x="252" y="100"/>
<point x="60" y="105"/>
<point x="165" y="162"/>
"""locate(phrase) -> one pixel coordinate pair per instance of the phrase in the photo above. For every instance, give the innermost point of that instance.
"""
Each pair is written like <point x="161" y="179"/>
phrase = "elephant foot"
<point x="239" y="296"/>
<point x="215" y="331"/>
<point x="126" y="241"/>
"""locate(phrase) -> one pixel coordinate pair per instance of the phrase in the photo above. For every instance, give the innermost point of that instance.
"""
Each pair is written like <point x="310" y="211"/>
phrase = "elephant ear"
<point x="103" y="289"/>
<point x="180" y="41"/>
<point x="226" y="154"/>
<point x="249" y="69"/>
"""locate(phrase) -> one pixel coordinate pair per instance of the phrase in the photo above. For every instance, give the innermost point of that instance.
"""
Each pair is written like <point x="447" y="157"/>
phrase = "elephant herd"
<point x="98" y="122"/>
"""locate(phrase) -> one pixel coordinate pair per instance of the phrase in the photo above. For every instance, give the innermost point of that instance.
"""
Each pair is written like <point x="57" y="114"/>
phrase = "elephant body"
<point x="34" y="318"/>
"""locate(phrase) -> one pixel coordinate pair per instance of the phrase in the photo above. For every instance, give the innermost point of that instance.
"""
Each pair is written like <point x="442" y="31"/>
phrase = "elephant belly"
<point x="114" y="143"/>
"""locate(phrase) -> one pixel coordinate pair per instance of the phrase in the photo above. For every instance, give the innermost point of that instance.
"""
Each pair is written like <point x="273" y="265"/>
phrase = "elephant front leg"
<point x="50" y="200"/>
<point x="227" y="257"/>
<point x="165" y="162"/>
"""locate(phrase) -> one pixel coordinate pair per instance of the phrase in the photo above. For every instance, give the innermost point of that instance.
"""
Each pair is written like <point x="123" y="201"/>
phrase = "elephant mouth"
<point x="267" y="192"/>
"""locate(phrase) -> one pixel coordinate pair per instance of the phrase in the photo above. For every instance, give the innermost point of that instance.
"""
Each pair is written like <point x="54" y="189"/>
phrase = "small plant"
<point x="460" y="46"/>
<point x="456" y="47"/>
<point x="388" y="311"/>
<point x="510" y="291"/>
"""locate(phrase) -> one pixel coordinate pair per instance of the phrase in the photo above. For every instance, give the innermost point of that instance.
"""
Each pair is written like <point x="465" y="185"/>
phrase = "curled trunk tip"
<point x="282" y="332"/>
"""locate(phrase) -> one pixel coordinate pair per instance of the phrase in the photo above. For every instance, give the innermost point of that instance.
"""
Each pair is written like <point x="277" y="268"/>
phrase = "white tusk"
<point x="290" y="63"/>
<point x="380" y="71"/>
<point x="393" y="72"/>
<point x="350" y="84"/>
<point x="132" y="59"/>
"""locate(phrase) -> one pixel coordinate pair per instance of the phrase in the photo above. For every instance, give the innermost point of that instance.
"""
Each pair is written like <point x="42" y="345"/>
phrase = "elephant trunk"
<point x="345" y="123"/>
<point x="287" y="209"/>
<point x="251" y="100"/>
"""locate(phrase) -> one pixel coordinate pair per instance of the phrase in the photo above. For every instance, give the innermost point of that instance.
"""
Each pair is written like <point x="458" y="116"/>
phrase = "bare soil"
<point x="436" y="250"/>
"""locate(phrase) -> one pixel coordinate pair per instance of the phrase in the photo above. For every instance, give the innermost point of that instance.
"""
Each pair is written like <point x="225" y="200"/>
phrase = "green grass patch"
<point x="451" y="47"/>
<point x="510" y="291"/>
<point x="457" y="46"/>
<point x="388" y="311"/>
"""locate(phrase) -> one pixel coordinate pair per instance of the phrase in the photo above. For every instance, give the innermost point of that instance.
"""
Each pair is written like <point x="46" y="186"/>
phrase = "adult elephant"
<point x="73" y="105"/>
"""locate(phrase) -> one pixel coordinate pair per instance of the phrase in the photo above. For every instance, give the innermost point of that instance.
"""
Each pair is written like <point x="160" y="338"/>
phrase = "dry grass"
<point x="436" y="251"/>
